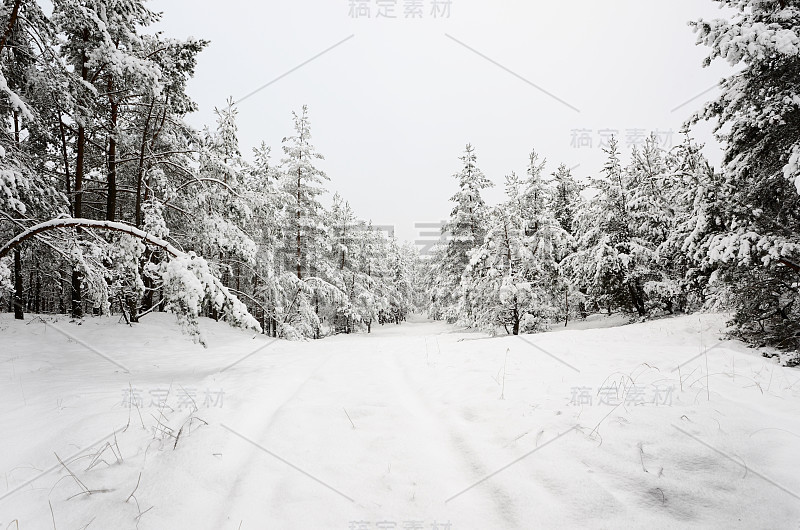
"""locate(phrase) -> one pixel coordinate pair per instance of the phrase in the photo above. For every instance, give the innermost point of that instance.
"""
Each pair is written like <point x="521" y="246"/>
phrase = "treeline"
<point x="557" y="249"/>
<point x="644" y="239"/>
<point x="666" y="233"/>
<point x="109" y="202"/>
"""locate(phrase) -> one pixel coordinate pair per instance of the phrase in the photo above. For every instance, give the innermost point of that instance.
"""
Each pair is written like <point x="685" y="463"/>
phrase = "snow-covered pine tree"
<point x="401" y="290"/>
<point x="373" y="291"/>
<point x="692" y="195"/>
<point x="116" y="122"/>
<point x="365" y="283"/>
<point x="653" y="215"/>
<point x="466" y="229"/>
<point x="342" y="232"/>
<point x="28" y="187"/>
<point x="758" y="119"/>
<point x="534" y="195"/>
<point x="566" y="202"/>
<point x="546" y="242"/>
<point x="607" y="265"/>
<point x="436" y="283"/>
<point x="304" y="233"/>
<point x="267" y="200"/>
<point x="222" y="174"/>
<point x="513" y="276"/>
<point x="566" y="197"/>
<point x="494" y="278"/>
<point x="302" y="180"/>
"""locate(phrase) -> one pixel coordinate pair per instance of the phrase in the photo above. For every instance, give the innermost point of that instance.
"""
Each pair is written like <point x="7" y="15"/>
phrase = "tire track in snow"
<point x="428" y="455"/>
<point x="457" y="445"/>
<point x="239" y="491"/>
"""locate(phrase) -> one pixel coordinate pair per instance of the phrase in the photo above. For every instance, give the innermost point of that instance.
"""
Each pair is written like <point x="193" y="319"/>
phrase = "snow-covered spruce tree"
<point x="653" y="213"/>
<point x="304" y="281"/>
<point x="400" y="259"/>
<point x="466" y="229"/>
<point x="513" y="276"/>
<point x="693" y="194"/>
<point x="494" y="277"/>
<point x="221" y="234"/>
<point x="342" y="234"/>
<point x="267" y="201"/>
<point x="757" y="246"/>
<point x="566" y="197"/>
<point x="436" y="284"/>
<point x="547" y="243"/>
<point x="373" y="291"/>
<point x="610" y="266"/>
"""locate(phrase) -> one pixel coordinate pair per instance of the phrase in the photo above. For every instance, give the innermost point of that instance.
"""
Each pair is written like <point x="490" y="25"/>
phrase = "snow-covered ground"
<point x="414" y="426"/>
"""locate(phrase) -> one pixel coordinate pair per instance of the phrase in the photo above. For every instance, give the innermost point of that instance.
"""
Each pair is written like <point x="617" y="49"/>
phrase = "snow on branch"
<point x="68" y="222"/>
<point x="207" y="179"/>
<point x="189" y="284"/>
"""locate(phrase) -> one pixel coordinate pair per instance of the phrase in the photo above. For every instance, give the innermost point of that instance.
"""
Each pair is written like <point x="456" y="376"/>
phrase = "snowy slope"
<point x="421" y="425"/>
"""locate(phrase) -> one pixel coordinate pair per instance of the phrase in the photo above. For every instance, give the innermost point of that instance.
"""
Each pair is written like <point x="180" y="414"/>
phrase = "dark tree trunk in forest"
<point x="77" y="303"/>
<point x="65" y="157"/>
<point x="111" y="200"/>
<point x="19" y="313"/>
<point x="79" y="158"/>
<point x="637" y="299"/>
<point x="149" y="287"/>
<point x="141" y="169"/>
<point x="37" y="290"/>
<point x="77" y="277"/>
<point x="12" y="21"/>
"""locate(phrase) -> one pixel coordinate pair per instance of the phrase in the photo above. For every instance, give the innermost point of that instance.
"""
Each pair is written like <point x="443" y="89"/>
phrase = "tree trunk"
<point x="299" y="251"/>
<point x="19" y="313"/>
<point x="140" y="170"/>
<point x="65" y="157"/>
<point x="636" y="298"/>
<point x="77" y="278"/>
<point x="516" y="320"/>
<point x="111" y="200"/>
<point x="37" y="293"/>
<point x="12" y="21"/>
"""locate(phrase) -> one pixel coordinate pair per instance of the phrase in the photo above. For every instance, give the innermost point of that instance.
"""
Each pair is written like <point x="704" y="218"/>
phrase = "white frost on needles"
<point x="792" y="170"/>
<point x="189" y="285"/>
<point x="5" y="275"/>
<point x="16" y="101"/>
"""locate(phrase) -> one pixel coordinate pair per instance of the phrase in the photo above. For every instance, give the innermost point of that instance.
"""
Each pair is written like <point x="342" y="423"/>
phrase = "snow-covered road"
<point x="414" y="426"/>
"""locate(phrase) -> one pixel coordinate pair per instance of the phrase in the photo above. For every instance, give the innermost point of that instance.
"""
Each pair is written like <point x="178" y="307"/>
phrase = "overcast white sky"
<point x="393" y="107"/>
